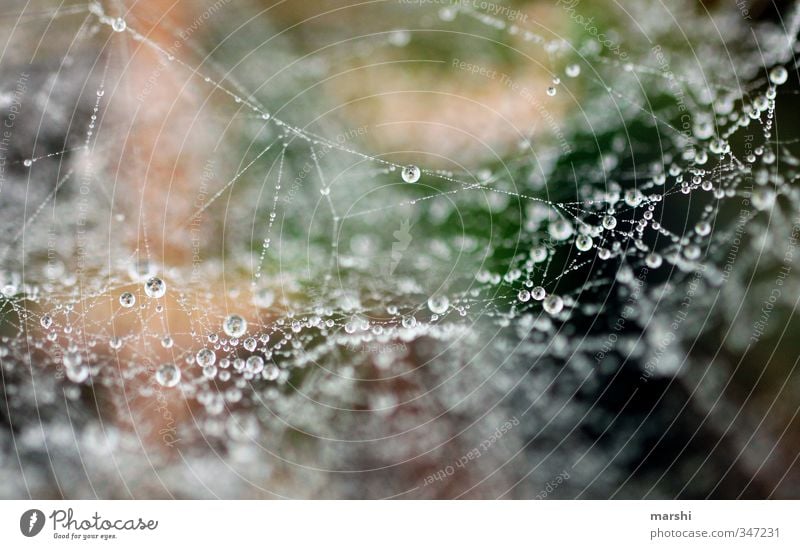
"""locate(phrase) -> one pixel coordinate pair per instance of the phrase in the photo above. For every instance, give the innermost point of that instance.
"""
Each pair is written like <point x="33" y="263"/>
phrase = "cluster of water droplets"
<point x="261" y="348"/>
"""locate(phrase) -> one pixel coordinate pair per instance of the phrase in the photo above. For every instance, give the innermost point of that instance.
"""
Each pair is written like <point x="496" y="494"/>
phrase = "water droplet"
<point x="254" y="364"/>
<point x="702" y="228"/>
<point x="778" y="75"/>
<point x="119" y="24"/>
<point x="46" y="321"/>
<point x="410" y="174"/>
<point x="524" y="296"/>
<point x="573" y="70"/>
<point x="438" y="304"/>
<point x="583" y="242"/>
<point x="653" y="260"/>
<point x="538" y="293"/>
<point x="409" y="322"/>
<point x="127" y="300"/>
<point x="27" y="162"/>
<point x="633" y="197"/>
<point x="553" y="304"/>
<point x="205" y="357"/>
<point x="609" y="222"/>
<point x="155" y="287"/>
<point x="168" y="375"/>
<point x="551" y="91"/>
<point x="234" y="326"/>
<point x="561" y="229"/>
<point x="271" y="372"/>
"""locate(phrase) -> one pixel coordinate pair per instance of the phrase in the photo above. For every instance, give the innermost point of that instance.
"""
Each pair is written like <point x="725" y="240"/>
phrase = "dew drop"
<point x="553" y="304"/>
<point x="609" y="222"/>
<point x="778" y="75"/>
<point x="633" y="197"/>
<point x="127" y="300"/>
<point x="653" y="260"/>
<point x="702" y="228"/>
<point x="254" y="364"/>
<point x="573" y="70"/>
<point x="205" y="357"/>
<point x="168" y="375"/>
<point x="438" y="304"/>
<point x="234" y="326"/>
<point x="271" y="372"/>
<point x="155" y="287"/>
<point x="583" y="242"/>
<point x="409" y="322"/>
<point x="561" y="229"/>
<point x="119" y="24"/>
<point x="410" y="174"/>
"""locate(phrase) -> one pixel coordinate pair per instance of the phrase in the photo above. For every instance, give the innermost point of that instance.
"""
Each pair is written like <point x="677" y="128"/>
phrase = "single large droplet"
<point x="168" y="375"/>
<point x="254" y="364"/>
<point x="155" y="287"/>
<point x="553" y="304"/>
<point x="205" y="357"/>
<point x="560" y="229"/>
<point x="778" y="75"/>
<point x="119" y="24"/>
<point x="410" y="174"/>
<point x="127" y="299"/>
<point x="409" y="322"/>
<point x="573" y="70"/>
<point x="702" y="228"/>
<point x="609" y="222"/>
<point x="438" y="304"/>
<point x="653" y="260"/>
<point x="234" y="326"/>
<point x="271" y="372"/>
<point x="583" y="242"/>
<point x="633" y="197"/>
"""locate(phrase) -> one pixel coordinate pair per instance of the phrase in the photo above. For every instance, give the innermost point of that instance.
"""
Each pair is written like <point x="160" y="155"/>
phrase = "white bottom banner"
<point x="390" y="524"/>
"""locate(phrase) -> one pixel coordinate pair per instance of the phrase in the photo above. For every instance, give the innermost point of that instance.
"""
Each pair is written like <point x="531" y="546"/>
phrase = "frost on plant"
<point x="399" y="250"/>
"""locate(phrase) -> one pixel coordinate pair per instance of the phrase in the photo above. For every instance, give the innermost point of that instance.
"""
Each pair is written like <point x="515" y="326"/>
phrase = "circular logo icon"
<point x="31" y="522"/>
